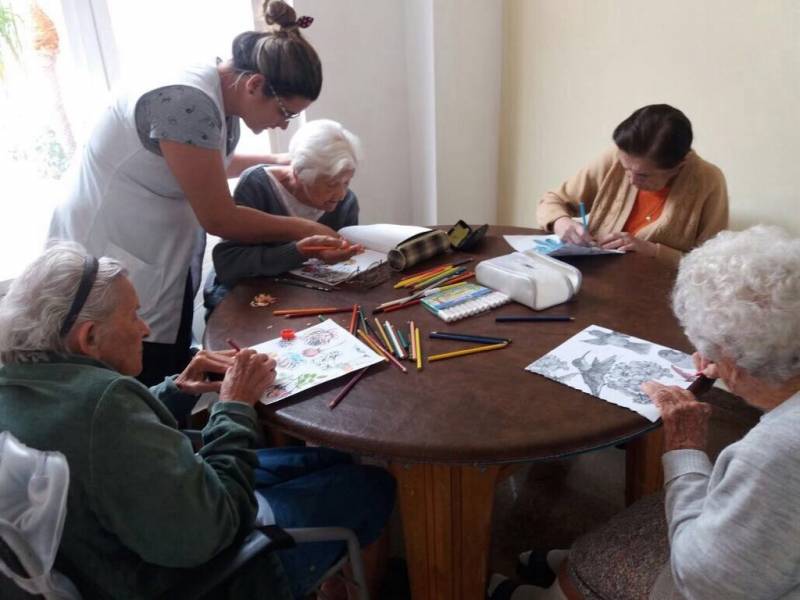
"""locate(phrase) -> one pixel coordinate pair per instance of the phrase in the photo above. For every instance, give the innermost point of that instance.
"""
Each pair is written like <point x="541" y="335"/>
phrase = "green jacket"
<point x="143" y="508"/>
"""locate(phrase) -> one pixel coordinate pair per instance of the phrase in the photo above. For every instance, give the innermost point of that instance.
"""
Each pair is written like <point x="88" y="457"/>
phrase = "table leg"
<point x="447" y="515"/>
<point x="644" y="474"/>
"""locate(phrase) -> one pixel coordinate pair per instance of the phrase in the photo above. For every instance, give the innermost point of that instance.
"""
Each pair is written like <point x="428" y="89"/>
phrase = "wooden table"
<point x="447" y="431"/>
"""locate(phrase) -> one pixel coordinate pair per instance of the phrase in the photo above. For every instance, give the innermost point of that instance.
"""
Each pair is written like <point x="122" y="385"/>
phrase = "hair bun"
<point x="277" y="12"/>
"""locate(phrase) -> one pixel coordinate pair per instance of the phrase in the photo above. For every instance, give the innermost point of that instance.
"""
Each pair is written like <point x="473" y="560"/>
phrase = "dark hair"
<point x="289" y="64"/>
<point x="657" y="132"/>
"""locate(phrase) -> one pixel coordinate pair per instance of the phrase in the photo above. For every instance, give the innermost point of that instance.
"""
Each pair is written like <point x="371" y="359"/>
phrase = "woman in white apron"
<point x="152" y="178"/>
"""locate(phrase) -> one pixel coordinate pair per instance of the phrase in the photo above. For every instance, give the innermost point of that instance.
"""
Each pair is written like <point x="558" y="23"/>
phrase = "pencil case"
<point x="530" y="278"/>
<point x="418" y="248"/>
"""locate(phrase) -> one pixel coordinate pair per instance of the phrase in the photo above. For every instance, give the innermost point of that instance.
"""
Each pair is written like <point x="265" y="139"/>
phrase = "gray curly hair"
<point x="739" y="295"/>
<point x="32" y="312"/>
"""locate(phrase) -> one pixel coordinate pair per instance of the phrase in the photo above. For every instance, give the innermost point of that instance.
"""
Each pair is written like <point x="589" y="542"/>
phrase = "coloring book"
<point x="612" y="366"/>
<point x="317" y="354"/>
<point x="377" y="240"/>
<point x="551" y="245"/>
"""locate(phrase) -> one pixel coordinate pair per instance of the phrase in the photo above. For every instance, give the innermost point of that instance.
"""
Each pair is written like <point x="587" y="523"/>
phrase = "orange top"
<point x="646" y="209"/>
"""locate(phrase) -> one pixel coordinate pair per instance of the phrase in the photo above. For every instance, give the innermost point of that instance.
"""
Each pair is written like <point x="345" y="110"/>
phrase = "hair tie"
<point x="90" y="266"/>
<point x="304" y="22"/>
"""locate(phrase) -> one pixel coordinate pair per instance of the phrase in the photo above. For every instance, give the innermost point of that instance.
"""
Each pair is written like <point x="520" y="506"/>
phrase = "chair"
<point x="33" y="496"/>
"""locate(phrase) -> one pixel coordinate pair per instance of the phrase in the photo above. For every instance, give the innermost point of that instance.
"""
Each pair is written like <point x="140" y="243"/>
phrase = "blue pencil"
<point x="582" y="208"/>
<point x="539" y="318"/>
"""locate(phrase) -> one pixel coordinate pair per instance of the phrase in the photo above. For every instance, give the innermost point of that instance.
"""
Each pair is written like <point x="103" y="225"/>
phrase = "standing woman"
<point x="152" y="178"/>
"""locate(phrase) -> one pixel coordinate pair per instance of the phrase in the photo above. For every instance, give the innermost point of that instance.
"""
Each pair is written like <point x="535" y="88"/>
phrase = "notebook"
<point x="463" y="301"/>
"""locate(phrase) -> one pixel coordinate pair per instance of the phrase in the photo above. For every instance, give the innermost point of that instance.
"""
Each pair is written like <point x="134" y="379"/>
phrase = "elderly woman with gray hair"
<point x="733" y="526"/>
<point x="314" y="186"/>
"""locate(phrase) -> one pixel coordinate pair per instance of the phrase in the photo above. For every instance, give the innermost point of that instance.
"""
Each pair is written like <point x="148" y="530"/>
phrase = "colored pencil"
<point x="322" y="248"/>
<point x="438" y="277"/>
<point x="473" y="350"/>
<point x="463" y="337"/>
<point x="412" y="338"/>
<point x="326" y="310"/>
<point x="320" y="317"/>
<point x="418" y="349"/>
<point x="388" y="355"/>
<point x="398" y="349"/>
<point x="405" y="282"/>
<point x="538" y="318"/>
<point x="340" y="396"/>
<point x="233" y="344"/>
<point x="582" y="208"/>
<point x="387" y="343"/>
<point x="353" y="318"/>
<point x="404" y="305"/>
<point x="403" y="340"/>
<point x="372" y="344"/>
<point x="309" y="286"/>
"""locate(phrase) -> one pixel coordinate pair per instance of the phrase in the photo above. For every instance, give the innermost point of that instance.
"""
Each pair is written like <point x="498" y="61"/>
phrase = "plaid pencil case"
<point x="418" y="248"/>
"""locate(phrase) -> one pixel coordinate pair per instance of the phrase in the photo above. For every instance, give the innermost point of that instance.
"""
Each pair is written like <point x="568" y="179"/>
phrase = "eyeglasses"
<point x="287" y="114"/>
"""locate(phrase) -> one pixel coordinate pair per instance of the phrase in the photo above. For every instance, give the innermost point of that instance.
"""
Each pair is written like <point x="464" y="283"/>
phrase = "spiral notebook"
<point x="463" y="301"/>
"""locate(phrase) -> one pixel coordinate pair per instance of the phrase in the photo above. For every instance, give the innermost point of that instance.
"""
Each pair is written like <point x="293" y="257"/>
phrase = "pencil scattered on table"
<point x="418" y="349"/>
<point x="462" y="337"/>
<point x="466" y="351"/>
<point x="305" y="312"/>
<point x="385" y="353"/>
<point x="340" y="396"/>
<point x="371" y="343"/>
<point x="353" y="320"/>
<point x="309" y="286"/>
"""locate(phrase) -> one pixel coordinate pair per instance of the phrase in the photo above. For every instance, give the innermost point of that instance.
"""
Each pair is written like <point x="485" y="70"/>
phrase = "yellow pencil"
<point x="418" y="349"/>
<point x="471" y="350"/>
<point x="383" y="335"/>
<point x="436" y="277"/>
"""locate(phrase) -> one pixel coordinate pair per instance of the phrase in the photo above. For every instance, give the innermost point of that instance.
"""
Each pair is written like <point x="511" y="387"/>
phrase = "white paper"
<point x="612" y="366"/>
<point x="380" y="237"/>
<point x="551" y="245"/>
<point x="318" y="354"/>
<point x="317" y="270"/>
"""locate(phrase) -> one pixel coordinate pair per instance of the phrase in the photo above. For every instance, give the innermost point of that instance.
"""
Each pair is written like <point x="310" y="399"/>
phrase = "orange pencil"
<point x="353" y="318"/>
<point x="347" y="388"/>
<point x="368" y="340"/>
<point x="321" y="248"/>
<point x="393" y="360"/>
<point x="399" y="306"/>
<point x="327" y="310"/>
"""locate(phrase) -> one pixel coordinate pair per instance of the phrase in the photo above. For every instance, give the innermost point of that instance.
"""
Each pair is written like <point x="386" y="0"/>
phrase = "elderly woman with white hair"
<point x="314" y="186"/>
<point x="732" y="527"/>
<point x="143" y="509"/>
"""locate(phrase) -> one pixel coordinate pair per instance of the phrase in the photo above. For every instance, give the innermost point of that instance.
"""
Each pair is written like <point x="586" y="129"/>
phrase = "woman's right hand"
<point x="572" y="232"/>
<point x="248" y="378"/>
<point x="705" y="366"/>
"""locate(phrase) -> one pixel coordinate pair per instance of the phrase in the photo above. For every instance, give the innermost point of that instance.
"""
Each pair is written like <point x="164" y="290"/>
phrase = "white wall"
<point x="418" y="81"/>
<point x="573" y="69"/>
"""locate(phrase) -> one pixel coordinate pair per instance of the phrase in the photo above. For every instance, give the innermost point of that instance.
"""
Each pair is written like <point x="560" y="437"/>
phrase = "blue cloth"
<point x="320" y="487"/>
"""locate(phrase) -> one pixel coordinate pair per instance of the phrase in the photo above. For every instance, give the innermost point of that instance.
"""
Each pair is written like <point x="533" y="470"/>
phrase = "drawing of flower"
<point x="309" y="352"/>
<point x="319" y="337"/>
<point x="627" y="377"/>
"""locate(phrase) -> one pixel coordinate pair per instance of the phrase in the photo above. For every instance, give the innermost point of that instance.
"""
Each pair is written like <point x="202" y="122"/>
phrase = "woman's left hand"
<point x="194" y="379"/>
<point x="685" y="419"/>
<point x="622" y="240"/>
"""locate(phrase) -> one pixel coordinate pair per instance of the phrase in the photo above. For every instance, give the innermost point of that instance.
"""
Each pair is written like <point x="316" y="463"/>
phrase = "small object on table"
<point x="262" y="300"/>
<point x="287" y="334"/>
<point x="309" y="286"/>
<point x="340" y="396"/>
<point x="466" y="351"/>
<point x="418" y="349"/>
<point x="519" y="319"/>
<point x="463" y="337"/>
<point x="300" y="312"/>
<point x="354" y="319"/>
<point x="387" y="354"/>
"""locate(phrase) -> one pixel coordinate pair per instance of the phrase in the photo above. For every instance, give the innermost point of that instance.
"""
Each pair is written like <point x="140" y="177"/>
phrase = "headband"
<point x="90" y="266"/>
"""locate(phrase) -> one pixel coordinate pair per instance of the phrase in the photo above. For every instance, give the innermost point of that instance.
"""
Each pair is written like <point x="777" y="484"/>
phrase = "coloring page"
<point x="613" y="366"/>
<point x="551" y="245"/>
<point x="317" y="270"/>
<point x="317" y="354"/>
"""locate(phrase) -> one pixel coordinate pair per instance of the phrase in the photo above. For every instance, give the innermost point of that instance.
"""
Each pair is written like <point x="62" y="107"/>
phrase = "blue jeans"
<point x="320" y="487"/>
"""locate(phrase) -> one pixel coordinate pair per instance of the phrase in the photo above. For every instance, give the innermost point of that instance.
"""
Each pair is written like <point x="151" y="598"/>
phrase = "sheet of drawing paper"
<point x="381" y="237"/>
<point x="612" y="366"/>
<point x="551" y="245"/>
<point x="317" y="354"/>
<point x="316" y="270"/>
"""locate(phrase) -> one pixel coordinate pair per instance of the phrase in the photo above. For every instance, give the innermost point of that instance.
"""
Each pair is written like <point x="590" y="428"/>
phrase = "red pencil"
<point x="327" y="310"/>
<point x="321" y="248"/>
<point x="233" y="344"/>
<point x="353" y="318"/>
<point x="340" y="396"/>
<point x="399" y="306"/>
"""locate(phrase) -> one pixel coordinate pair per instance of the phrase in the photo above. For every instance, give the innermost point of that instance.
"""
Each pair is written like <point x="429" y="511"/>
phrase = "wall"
<point x="573" y="69"/>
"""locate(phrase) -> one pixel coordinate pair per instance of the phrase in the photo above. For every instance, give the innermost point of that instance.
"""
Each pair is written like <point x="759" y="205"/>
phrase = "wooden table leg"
<point x="447" y="515"/>
<point x="644" y="474"/>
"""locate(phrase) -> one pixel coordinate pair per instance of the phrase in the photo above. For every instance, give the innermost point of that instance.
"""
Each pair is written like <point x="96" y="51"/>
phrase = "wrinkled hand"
<point x="194" y="379"/>
<point x="685" y="419"/>
<point x="337" y="249"/>
<point x="628" y="243"/>
<point x="572" y="232"/>
<point x="248" y="378"/>
<point x="705" y="366"/>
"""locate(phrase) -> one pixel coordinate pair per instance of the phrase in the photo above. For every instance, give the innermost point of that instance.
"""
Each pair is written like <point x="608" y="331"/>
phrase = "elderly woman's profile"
<point x="724" y="530"/>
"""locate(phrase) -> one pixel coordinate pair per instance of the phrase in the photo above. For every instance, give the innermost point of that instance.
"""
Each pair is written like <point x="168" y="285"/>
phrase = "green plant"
<point x="9" y="35"/>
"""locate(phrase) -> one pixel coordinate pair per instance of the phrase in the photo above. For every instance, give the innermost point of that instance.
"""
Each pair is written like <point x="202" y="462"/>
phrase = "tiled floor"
<point x="548" y="505"/>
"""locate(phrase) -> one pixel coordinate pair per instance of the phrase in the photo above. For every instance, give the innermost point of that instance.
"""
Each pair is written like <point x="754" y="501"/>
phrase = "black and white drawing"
<point x="612" y="366"/>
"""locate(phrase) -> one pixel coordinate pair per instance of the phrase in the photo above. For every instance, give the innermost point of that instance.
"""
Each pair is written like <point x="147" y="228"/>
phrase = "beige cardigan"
<point x="695" y="210"/>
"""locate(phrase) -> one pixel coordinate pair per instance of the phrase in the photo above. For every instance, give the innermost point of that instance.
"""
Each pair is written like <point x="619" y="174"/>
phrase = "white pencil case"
<point x="530" y="278"/>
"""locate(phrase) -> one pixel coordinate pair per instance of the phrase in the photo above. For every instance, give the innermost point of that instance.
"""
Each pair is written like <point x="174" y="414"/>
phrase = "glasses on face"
<point x="287" y="114"/>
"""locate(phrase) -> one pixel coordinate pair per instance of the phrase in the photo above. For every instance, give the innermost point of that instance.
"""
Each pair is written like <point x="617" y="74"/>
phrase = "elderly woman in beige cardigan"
<point x="651" y="193"/>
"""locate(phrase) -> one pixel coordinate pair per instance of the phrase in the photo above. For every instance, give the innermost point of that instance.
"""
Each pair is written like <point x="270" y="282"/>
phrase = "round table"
<point x="448" y="429"/>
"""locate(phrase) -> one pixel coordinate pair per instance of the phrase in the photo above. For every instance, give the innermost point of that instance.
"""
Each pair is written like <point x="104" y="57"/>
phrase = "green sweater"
<point x="143" y="509"/>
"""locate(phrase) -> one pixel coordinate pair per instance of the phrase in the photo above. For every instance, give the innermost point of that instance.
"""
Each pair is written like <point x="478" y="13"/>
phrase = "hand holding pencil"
<point x="327" y="248"/>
